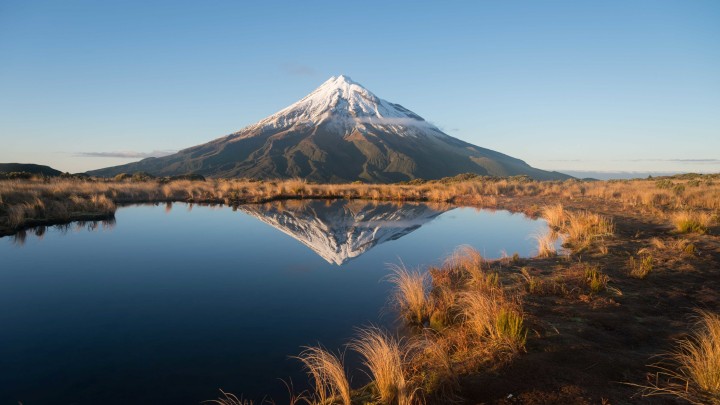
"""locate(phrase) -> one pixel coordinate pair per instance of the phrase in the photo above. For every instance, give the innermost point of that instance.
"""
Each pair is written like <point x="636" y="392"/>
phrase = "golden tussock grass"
<point x="326" y="370"/>
<point x="546" y="244"/>
<point x="596" y="279"/>
<point x="554" y="215"/>
<point x="494" y="318"/>
<point x="583" y="228"/>
<point x="640" y="268"/>
<point x="691" y="221"/>
<point x="692" y="370"/>
<point x="411" y="296"/>
<point x="19" y="198"/>
<point x="386" y="358"/>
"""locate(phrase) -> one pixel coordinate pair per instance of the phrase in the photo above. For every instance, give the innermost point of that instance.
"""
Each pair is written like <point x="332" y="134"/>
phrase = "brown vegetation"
<point x="28" y="202"/>
<point x="692" y="370"/>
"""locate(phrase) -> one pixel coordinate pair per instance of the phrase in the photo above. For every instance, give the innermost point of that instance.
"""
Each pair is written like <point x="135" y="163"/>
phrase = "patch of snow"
<point x="347" y="105"/>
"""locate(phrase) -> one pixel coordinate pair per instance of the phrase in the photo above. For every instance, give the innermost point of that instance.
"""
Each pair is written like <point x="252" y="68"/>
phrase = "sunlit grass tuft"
<point x="385" y="357"/>
<point x="410" y="296"/>
<point x="546" y="244"/>
<point x="328" y="376"/>
<point x="692" y="371"/>
<point x="494" y="318"/>
<point x="691" y="221"/>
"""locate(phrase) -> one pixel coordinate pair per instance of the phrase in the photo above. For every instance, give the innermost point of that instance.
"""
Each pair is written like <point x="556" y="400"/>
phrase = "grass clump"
<point x="691" y="222"/>
<point x="596" y="280"/>
<point x="328" y="376"/>
<point x="411" y="296"/>
<point x="692" y="371"/>
<point x="640" y="268"/>
<point x="546" y="244"/>
<point x="554" y="215"/>
<point x="583" y="228"/>
<point x="494" y="319"/>
<point x="385" y="357"/>
<point x="534" y="284"/>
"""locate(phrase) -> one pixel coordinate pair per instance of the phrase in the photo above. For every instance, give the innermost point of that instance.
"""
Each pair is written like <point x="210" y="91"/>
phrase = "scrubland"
<point x="691" y="203"/>
<point x="626" y="311"/>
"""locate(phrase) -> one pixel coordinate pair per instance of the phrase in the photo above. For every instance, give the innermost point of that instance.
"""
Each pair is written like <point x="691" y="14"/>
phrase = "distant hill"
<point x="338" y="133"/>
<point x="29" y="168"/>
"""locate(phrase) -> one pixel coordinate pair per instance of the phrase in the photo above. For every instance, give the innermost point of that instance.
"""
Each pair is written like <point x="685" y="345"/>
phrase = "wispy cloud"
<point x="562" y="160"/>
<point x="126" y="154"/>
<point x="408" y="122"/>
<point x="295" y="69"/>
<point x="671" y="160"/>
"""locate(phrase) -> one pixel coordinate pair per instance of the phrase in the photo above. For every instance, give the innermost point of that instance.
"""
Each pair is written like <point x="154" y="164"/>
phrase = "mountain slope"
<point x="339" y="132"/>
<point x="29" y="168"/>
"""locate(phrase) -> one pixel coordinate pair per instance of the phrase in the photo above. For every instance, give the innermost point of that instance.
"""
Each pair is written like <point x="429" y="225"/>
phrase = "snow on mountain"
<point x="343" y="230"/>
<point x="347" y="106"/>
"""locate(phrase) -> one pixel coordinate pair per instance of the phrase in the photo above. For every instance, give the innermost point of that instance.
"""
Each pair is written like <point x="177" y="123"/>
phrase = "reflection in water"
<point x="20" y="237"/>
<point x="340" y="230"/>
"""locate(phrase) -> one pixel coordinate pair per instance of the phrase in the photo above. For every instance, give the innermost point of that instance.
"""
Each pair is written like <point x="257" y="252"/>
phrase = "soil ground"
<point x="589" y="348"/>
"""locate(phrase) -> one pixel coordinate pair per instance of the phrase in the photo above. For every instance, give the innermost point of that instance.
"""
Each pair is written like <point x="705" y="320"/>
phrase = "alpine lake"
<point x="168" y="303"/>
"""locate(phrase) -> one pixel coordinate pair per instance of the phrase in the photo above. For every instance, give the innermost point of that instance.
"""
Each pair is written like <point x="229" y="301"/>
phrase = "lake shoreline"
<point x="596" y="318"/>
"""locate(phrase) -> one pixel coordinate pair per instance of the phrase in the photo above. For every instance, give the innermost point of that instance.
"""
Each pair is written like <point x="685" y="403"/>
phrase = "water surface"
<point x="169" y="303"/>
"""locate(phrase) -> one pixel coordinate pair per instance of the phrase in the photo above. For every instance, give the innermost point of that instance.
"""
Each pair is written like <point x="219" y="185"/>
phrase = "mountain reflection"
<point x="340" y="230"/>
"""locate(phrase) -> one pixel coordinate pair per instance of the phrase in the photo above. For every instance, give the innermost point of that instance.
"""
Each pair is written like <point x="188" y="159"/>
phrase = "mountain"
<point x="338" y="133"/>
<point x="29" y="168"/>
<point x="342" y="230"/>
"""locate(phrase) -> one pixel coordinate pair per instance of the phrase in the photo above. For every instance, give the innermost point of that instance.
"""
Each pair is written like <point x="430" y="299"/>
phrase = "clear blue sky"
<point x="574" y="85"/>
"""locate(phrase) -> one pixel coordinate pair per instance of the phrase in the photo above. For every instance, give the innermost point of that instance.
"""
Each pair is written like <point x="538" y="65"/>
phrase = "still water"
<point x="169" y="303"/>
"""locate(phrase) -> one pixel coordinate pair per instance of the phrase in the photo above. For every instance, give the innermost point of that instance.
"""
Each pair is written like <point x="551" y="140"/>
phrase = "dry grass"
<point x="691" y="221"/>
<point x="692" y="371"/>
<point x="410" y="297"/>
<point x="554" y="215"/>
<point x="328" y="376"/>
<point x="583" y="228"/>
<point x="596" y="280"/>
<point x="386" y="358"/>
<point x="546" y="244"/>
<point x="433" y="366"/>
<point x="493" y="318"/>
<point x="30" y="201"/>
<point x="640" y="268"/>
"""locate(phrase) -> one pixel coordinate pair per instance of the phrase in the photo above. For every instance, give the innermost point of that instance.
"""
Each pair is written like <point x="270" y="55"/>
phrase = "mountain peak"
<point x="341" y="80"/>
<point x="348" y="106"/>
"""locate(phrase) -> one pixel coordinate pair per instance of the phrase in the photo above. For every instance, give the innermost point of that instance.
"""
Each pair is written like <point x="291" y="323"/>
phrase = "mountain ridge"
<point x="31" y="168"/>
<point x="339" y="132"/>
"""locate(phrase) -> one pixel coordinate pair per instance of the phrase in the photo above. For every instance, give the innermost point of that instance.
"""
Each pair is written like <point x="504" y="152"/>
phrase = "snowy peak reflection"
<point x="340" y="230"/>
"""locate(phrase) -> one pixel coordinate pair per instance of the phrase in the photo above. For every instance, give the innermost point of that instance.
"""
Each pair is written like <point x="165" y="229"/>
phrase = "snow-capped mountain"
<point x="348" y="106"/>
<point x="339" y="132"/>
<point x="342" y="230"/>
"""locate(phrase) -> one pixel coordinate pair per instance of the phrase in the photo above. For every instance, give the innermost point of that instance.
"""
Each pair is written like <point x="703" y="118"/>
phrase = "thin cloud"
<point x="295" y="69"/>
<point x="126" y="154"/>
<point x="562" y="160"/>
<point x="409" y="122"/>
<point x="670" y="160"/>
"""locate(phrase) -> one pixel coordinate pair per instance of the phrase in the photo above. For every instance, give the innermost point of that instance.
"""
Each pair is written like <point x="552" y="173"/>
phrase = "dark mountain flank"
<point x="29" y="168"/>
<point x="340" y="132"/>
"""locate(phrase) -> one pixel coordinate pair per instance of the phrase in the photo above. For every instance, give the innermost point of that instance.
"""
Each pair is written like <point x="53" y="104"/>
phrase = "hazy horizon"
<point x="610" y="87"/>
